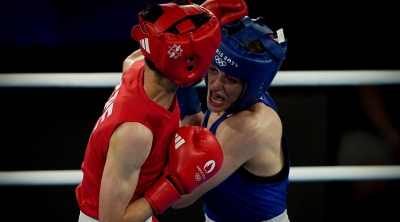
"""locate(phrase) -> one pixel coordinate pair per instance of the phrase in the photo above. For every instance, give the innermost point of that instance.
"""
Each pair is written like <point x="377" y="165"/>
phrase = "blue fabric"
<point x="257" y="69"/>
<point x="189" y="101"/>
<point x="244" y="196"/>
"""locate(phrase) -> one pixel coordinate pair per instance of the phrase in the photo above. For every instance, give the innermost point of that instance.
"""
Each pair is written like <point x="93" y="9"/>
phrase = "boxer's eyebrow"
<point x="214" y="67"/>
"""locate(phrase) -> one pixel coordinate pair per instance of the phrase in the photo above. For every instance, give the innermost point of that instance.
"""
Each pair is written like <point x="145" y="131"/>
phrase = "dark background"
<point x="47" y="128"/>
<point x="94" y="36"/>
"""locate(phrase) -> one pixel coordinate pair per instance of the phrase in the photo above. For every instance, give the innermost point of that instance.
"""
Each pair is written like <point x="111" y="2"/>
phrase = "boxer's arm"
<point x="236" y="135"/>
<point x="190" y="106"/>
<point x="231" y="163"/>
<point x="193" y="120"/>
<point x="129" y="147"/>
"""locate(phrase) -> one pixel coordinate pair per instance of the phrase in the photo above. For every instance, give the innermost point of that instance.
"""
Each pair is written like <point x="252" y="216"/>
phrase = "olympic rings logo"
<point x="220" y="61"/>
<point x="197" y="177"/>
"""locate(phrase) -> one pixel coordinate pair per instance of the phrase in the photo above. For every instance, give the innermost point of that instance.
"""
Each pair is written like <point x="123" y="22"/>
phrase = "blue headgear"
<point x="257" y="69"/>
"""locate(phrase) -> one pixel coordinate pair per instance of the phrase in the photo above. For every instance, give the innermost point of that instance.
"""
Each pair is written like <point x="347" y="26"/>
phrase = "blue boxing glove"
<point x="188" y="100"/>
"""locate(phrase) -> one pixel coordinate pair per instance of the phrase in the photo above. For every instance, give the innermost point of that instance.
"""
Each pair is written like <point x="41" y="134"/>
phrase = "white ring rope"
<point x="283" y="78"/>
<point x="297" y="174"/>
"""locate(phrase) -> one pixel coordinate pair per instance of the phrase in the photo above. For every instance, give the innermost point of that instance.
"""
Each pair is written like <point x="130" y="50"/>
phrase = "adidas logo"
<point x="145" y="44"/>
<point x="178" y="141"/>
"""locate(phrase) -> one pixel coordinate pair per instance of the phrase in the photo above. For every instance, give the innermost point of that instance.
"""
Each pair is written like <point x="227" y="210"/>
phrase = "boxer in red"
<point x="133" y="166"/>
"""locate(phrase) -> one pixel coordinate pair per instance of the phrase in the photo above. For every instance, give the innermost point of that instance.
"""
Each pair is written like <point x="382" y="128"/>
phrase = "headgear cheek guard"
<point x="184" y="57"/>
<point x="257" y="69"/>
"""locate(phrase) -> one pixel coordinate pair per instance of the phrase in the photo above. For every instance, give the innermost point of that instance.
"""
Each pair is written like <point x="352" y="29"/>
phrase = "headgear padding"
<point x="257" y="69"/>
<point x="184" y="57"/>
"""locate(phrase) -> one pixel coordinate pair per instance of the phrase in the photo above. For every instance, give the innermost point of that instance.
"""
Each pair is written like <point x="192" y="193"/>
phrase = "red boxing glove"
<point x="195" y="155"/>
<point x="227" y="10"/>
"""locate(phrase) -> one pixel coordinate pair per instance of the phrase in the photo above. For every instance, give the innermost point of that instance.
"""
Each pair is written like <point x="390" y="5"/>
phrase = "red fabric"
<point x="195" y="156"/>
<point x="128" y="103"/>
<point x="184" y="57"/>
<point x="227" y="10"/>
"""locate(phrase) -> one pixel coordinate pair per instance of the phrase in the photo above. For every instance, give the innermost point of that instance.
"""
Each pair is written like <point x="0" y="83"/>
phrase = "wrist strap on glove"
<point x="161" y="195"/>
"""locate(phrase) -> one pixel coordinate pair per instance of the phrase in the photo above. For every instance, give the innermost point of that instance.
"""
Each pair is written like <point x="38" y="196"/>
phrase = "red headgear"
<point x="183" y="57"/>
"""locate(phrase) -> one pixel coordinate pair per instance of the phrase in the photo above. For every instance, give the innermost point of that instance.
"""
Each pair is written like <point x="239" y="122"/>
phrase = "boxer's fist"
<point x="227" y="10"/>
<point x="195" y="155"/>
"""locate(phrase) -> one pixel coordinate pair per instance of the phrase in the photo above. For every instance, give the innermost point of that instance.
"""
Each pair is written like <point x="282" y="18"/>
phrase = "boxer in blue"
<point x="253" y="180"/>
